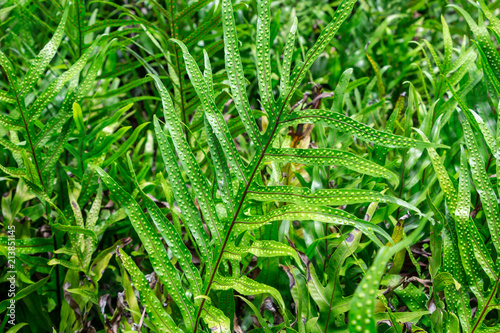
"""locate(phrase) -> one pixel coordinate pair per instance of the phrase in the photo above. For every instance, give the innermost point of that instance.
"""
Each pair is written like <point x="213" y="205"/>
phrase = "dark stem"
<point x="483" y="312"/>
<point x="29" y="138"/>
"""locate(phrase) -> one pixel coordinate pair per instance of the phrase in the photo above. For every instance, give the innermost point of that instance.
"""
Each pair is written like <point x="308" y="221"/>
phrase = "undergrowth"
<point x="254" y="166"/>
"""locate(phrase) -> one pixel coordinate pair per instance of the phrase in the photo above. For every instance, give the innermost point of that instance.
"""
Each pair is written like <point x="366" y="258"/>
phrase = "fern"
<point x="43" y="143"/>
<point x="238" y="183"/>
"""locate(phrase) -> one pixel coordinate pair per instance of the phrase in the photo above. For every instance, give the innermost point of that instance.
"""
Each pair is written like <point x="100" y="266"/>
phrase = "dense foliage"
<point x="250" y="166"/>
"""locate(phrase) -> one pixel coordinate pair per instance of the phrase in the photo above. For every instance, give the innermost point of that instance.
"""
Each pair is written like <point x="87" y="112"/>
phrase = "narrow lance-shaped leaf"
<point x="442" y="175"/>
<point x="126" y="145"/>
<point x="20" y="294"/>
<point x="234" y="70"/>
<point x="157" y="314"/>
<point x="191" y="166"/>
<point x="380" y="83"/>
<point x="109" y="23"/>
<point x="29" y="245"/>
<point x="448" y="45"/>
<point x="328" y="157"/>
<point x="468" y="59"/>
<point x="483" y="184"/>
<point x="262" y="248"/>
<point x="75" y="96"/>
<point x="224" y="182"/>
<point x="157" y="254"/>
<point x="263" y="56"/>
<point x="55" y="86"/>
<point x="10" y="122"/>
<point x="458" y="300"/>
<point x="327" y="34"/>
<point x="42" y="60"/>
<point x="6" y="97"/>
<point x="338" y="96"/>
<point x="434" y="56"/>
<point x="93" y="214"/>
<point x="247" y="286"/>
<point x="471" y="267"/>
<point x="287" y="59"/>
<point x="488" y="136"/>
<point x="489" y="72"/>
<point x="361" y="316"/>
<point x="213" y="114"/>
<point x="191" y="217"/>
<point x="483" y="39"/>
<point x="172" y="237"/>
<point x="329" y="197"/>
<point x="314" y="213"/>
<point x="494" y="21"/>
<point x="9" y="71"/>
<point x="349" y="125"/>
<point x="86" y="244"/>
<point x="215" y="319"/>
<point x="207" y="73"/>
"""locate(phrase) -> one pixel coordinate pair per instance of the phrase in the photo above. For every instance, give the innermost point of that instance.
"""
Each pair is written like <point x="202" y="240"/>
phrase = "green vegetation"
<point x="250" y="166"/>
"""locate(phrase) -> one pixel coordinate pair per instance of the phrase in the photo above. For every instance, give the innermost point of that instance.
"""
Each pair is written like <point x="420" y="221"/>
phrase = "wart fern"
<point x="226" y="204"/>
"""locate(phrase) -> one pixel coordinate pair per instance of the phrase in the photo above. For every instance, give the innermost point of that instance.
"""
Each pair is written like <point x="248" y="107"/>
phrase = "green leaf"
<point x="16" y="328"/>
<point x="483" y="184"/>
<point x="213" y="114"/>
<point x="338" y="96"/>
<point x="263" y="56"/>
<point x="329" y="197"/>
<point x="262" y="248"/>
<point x="10" y="123"/>
<point x="361" y="316"/>
<point x="109" y="23"/>
<point x="329" y="157"/>
<point x="471" y="267"/>
<point x="215" y="319"/>
<point x="287" y="59"/>
<point x="28" y="245"/>
<point x="55" y="86"/>
<point x="444" y="279"/>
<point x="448" y="45"/>
<point x="183" y="197"/>
<point x="126" y="145"/>
<point x="157" y="254"/>
<point x="234" y="70"/>
<point x="42" y="60"/>
<point x="6" y="97"/>
<point x="188" y="161"/>
<point x="346" y="124"/>
<point x="173" y="239"/>
<point x="327" y="34"/>
<point x="24" y="292"/>
<point x="157" y="314"/>
<point x="247" y="286"/>
<point x="315" y="213"/>
<point x="75" y="230"/>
